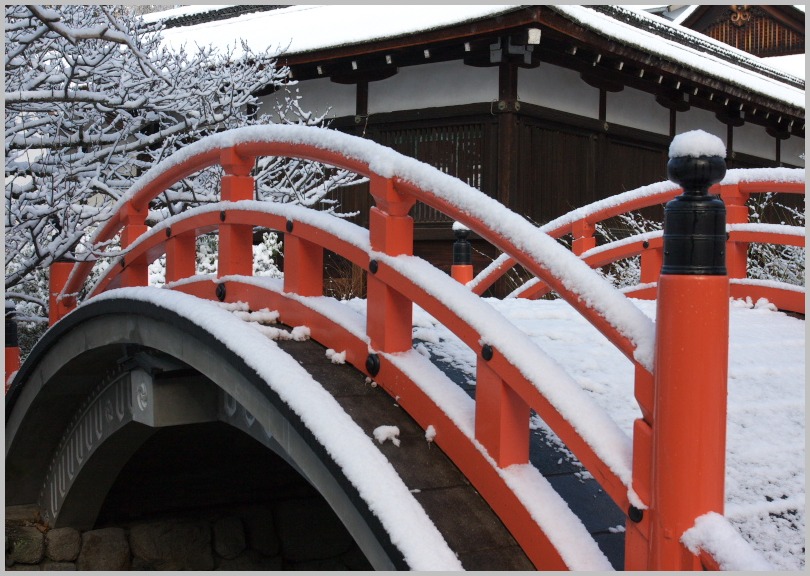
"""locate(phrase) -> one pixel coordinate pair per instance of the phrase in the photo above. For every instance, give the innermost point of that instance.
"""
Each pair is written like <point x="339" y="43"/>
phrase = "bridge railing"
<point x="735" y="190"/>
<point x="514" y="376"/>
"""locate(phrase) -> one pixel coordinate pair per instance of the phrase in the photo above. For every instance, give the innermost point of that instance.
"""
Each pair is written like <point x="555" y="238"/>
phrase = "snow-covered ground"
<point x="765" y="478"/>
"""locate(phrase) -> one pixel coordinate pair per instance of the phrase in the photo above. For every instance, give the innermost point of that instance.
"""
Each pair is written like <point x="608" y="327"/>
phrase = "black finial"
<point x="695" y="222"/>
<point x="462" y="249"/>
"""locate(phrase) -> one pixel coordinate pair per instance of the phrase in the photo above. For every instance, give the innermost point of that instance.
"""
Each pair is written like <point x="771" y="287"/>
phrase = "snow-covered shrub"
<point x="625" y="272"/>
<point x="93" y="99"/>
<point x="772" y="261"/>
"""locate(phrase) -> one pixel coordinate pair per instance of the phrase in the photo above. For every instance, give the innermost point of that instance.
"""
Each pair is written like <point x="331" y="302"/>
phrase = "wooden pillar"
<point x="507" y="132"/>
<point x="602" y="105"/>
<point x="730" y="145"/>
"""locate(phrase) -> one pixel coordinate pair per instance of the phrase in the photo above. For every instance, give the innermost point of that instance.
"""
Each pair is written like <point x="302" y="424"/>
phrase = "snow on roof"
<point x="794" y="64"/>
<point x="306" y="28"/>
<point x="690" y="57"/>
<point x="183" y="11"/>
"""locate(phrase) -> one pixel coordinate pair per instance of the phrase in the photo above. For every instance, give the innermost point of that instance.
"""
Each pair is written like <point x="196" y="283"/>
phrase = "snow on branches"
<point x="93" y="99"/>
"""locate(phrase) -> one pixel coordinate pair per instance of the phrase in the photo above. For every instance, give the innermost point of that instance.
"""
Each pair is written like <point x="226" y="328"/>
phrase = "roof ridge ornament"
<point x="740" y="14"/>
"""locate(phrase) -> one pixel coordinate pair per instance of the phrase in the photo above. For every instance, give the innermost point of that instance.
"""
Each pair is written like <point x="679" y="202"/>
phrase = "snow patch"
<point x="300" y="333"/>
<point x="713" y="534"/>
<point x="336" y="357"/>
<point x="430" y="433"/>
<point x="383" y="433"/>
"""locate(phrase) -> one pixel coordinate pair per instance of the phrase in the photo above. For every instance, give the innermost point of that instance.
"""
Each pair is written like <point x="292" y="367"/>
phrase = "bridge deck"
<point x="465" y="520"/>
<point x="480" y="539"/>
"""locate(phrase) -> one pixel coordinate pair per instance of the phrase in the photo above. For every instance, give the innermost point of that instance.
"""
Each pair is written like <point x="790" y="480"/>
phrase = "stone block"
<point x="63" y="544"/>
<point x="23" y="514"/>
<point x="310" y="530"/>
<point x="23" y="567"/>
<point x="25" y="545"/>
<point x="104" y="549"/>
<point x="172" y="545"/>
<point x="229" y="537"/>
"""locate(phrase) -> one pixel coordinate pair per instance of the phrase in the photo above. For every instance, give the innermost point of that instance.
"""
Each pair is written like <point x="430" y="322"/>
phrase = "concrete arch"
<point x="105" y="378"/>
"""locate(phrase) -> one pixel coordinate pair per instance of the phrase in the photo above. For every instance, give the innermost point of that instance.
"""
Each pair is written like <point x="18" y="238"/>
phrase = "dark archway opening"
<point x="213" y="491"/>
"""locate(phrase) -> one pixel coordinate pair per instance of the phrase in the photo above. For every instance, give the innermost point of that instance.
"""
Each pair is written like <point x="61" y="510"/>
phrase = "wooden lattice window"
<point x="454" y="149"/>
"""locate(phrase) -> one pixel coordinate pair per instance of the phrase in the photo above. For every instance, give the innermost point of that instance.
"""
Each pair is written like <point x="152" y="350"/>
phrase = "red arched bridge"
<point x="131" y="359"/>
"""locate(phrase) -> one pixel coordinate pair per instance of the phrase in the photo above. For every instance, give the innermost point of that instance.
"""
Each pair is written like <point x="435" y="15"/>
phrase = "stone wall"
<point x="291" y="534"/>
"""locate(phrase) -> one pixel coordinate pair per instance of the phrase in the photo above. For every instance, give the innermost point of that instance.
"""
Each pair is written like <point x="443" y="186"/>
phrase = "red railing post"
<point x="12" y="345"/>
<point x="736" y="213"/>
<point x="135" y="272"/>
<point x="691" y="357"/>
<point x="58" y="306"/>
<point x="389" y="319"/>
<point x="181" y="256"/>
<point x="651" y="260"/>
<point x="462" y="269"/>
<point x="501" y="415"/>
<point x="235" y="255"/>
<point x="583" y="232"/>
<point x="303" y="265"/>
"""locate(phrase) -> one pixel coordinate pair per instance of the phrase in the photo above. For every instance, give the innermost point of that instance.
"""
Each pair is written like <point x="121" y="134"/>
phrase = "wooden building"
<point x="546" y="108"/>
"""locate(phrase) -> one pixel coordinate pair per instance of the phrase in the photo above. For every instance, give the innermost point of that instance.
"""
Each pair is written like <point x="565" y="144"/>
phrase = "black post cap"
<point x="462" y="249"/>
<point x="695" y="221"/>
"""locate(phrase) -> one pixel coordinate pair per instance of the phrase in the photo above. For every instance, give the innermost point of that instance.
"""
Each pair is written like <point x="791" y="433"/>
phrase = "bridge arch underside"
<point x="114" y="381"/>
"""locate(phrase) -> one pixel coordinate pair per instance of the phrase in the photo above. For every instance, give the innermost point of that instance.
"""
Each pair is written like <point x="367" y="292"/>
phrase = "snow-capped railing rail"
<point x="514" y="376"/>
<point x="735" y="190"/>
